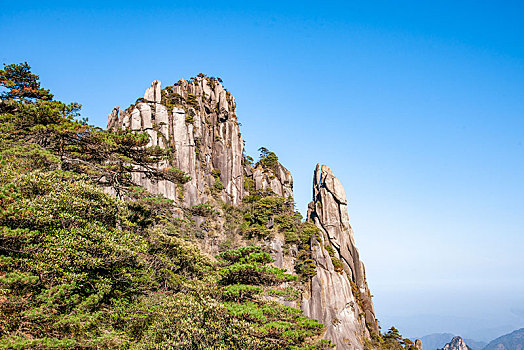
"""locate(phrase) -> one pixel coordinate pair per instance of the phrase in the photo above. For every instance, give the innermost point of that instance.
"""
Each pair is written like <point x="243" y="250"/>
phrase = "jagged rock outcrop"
<point x="338" y="295"/>
<point x="279" y="179"/>
<point x="457" y="343"/>
<point x="197" y="120"/>
<point x="153" y="94"/>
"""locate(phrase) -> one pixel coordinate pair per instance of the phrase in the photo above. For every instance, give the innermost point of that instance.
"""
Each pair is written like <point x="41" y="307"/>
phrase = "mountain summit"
<point x="197" y="120"/>
<point x="160" y="232"/>
<point x="457" y="343"/>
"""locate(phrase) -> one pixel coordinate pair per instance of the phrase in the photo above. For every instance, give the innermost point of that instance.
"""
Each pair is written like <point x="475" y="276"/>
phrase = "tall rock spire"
<point x="197" y="120"/>
<point x="338" y="294"/>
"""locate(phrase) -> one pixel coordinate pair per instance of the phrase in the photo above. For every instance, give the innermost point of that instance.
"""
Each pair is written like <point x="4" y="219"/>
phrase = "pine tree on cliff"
<point x="22" y="85"/>
<point x="30" y="114"/>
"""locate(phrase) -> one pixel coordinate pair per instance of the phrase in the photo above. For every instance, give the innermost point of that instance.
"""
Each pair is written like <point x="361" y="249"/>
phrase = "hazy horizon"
<point x="417" y="108"/>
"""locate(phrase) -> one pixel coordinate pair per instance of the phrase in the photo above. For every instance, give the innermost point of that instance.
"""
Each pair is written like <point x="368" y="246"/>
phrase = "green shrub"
<point x="252" y="273"/>
<point x="80" y="268"/>
<point x="178" y="175"/>
<point x="236" y="255"/>
<point x="248" y="265"/>
<point x="289" y="293"/>
<point x="337" y="264"/>
<point x="203" y="209"/>
<point x="192" y="101"/>
<point x="217" y="185"/>
<point x="239" y="292"/>
<point x="268" y="159"/>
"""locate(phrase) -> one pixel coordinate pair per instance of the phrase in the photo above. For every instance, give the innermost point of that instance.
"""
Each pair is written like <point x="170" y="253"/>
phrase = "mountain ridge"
<point x="439" y="340"/>
<point x="162" y="232"/>
<point x="510" y="341"/>
<point x="210" y="134"/>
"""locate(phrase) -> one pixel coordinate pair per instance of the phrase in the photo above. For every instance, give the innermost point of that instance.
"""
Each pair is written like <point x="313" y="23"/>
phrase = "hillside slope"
<point x="511" y="341"/>
<point x="161" y="233"/>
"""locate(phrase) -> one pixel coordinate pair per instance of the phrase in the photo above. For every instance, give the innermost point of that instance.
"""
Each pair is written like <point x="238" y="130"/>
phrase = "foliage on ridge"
<point x="82" y="268"/>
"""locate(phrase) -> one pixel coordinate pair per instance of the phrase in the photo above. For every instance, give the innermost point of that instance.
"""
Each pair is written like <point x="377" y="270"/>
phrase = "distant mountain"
<point x="457" y="343"/>
<point x="439" y="340"/>
<point x="511" y="341"/>
<point x="436" y="340"/>
<point x="475" y="345"/>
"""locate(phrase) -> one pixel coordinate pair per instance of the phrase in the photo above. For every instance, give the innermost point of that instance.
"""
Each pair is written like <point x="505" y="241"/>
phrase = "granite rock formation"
<point x="457" y="343"/>
<point x="279" y="179"/>
<point x="338" y="295"/>
<point x="197" y="120"/>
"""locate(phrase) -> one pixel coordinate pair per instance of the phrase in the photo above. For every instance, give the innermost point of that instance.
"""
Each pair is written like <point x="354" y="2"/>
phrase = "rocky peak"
<point x="338" y="294"/>
<point x="197" y="120"/>
<point x="275" y="178"/>
<point x="457" y="343"/>
<point x="153" y="93"/>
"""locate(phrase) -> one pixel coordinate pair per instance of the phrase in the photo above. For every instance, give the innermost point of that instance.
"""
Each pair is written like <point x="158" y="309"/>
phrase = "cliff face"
<point x="338" y="294"/>
<point x="278" y="180"/>
<point x="197" y="120"/>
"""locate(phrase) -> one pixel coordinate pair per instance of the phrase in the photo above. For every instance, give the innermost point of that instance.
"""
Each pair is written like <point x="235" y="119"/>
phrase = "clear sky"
<point x="417" y="106"/>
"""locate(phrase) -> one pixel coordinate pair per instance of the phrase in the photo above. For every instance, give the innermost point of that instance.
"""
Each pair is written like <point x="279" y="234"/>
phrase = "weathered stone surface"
<point x="145" y="116"/>
<point x="457" y="343"/>
<point x="153" y="93"/>
<point x="135" y="120"/>
<point x="113" y="117"/>
<point x="201" y="128"/>
<point x="279" y="180"/>
<point x="197" y="120"/>
<point x="283" y="261"/>
<point x="330" y="300"/>
<point x="339" y="299"/>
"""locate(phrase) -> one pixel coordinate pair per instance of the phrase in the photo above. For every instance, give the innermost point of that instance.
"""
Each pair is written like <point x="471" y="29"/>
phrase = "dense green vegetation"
<point x="81" y="268"/>
<point x="264" y="214"/>
<point x="90" y="260"/>
<point x="248" y="277"/>
<point x="391" y="340"/>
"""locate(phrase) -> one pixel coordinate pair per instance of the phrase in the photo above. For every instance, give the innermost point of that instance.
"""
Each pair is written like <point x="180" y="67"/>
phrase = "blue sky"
<point x="417" y="107"/>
